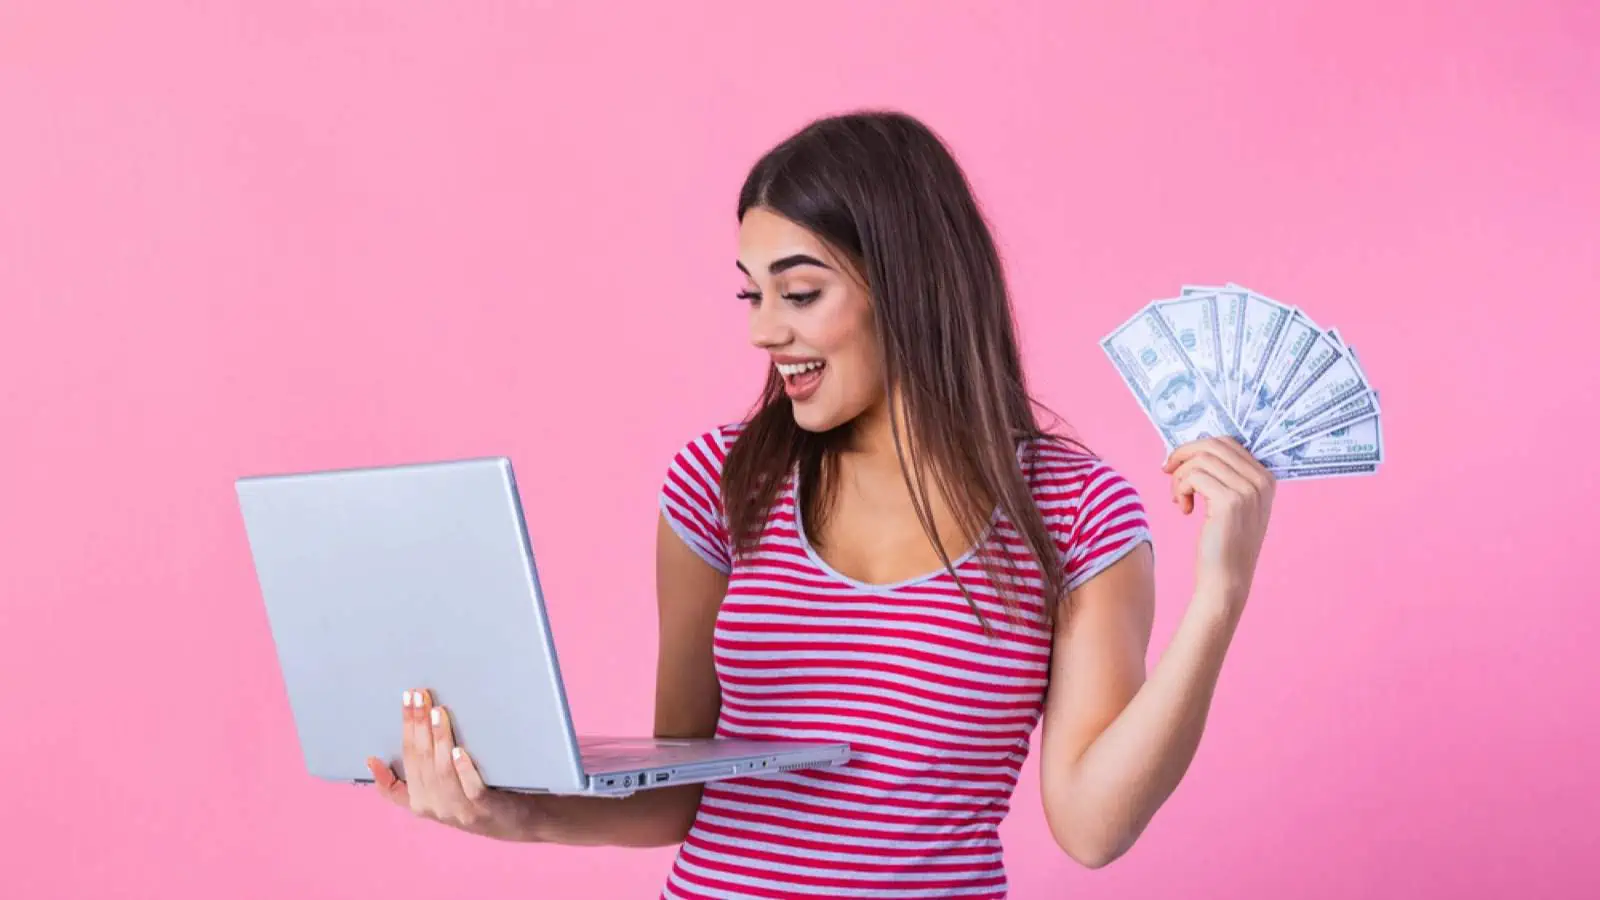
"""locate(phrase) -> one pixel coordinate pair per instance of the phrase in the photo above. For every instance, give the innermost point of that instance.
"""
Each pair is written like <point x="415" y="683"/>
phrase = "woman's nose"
<point x="767" y="325"/>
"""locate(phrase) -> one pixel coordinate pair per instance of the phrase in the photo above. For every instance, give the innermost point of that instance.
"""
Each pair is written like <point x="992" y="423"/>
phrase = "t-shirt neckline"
<point x="889" y="587"/>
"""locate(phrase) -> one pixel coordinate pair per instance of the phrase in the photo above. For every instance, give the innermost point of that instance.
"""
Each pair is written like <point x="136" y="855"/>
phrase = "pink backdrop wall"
<point x="238" y="237"/>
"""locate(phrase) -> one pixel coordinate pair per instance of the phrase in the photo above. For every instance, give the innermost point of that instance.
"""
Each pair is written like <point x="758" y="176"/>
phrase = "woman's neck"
<point x="872" y="459"/>
<point x="872" y="441"/>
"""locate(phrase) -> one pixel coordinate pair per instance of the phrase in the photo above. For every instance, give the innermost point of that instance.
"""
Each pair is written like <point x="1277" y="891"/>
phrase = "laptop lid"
<point x="381" y="579"/>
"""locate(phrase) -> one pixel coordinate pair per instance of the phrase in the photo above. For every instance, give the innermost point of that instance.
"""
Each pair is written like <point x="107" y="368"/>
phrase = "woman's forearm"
<point x="1130" y="770"/>
<point x="654" y="818"/>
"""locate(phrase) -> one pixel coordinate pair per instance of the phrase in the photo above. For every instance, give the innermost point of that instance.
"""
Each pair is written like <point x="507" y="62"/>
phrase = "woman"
<point x="892" y="552"/>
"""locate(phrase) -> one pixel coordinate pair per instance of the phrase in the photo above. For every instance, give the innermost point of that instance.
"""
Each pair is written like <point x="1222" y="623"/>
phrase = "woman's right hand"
<point x="441" y="782"/>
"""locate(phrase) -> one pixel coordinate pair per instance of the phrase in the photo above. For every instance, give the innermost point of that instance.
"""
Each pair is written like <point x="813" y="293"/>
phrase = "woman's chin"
<point x="818" y="419"/>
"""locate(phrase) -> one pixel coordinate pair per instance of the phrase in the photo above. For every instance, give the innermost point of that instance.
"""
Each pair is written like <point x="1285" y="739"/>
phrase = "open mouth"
<point x="801" y="379"/>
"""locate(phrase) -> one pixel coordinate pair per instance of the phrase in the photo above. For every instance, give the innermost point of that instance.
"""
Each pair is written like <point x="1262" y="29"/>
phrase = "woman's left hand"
<point x="1238" y="493"/>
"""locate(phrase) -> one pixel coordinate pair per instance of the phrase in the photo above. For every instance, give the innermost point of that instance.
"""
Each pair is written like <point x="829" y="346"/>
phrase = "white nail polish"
<point x="435" y="715"/>
<point x="455" y="752"/>
<point x="405" y="699"/>
<point x="416" y="699"/>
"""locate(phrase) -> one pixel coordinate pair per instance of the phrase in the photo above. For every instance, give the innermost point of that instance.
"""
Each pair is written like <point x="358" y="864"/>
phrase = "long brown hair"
<point x="884" y="191"/>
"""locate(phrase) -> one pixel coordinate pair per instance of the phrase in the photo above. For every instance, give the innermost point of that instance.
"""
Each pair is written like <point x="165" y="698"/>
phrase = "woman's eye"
<point x="798" y="299"/>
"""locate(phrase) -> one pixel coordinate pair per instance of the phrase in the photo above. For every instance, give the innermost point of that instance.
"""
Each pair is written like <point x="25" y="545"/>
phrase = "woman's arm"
<point x="1115" y="744"/>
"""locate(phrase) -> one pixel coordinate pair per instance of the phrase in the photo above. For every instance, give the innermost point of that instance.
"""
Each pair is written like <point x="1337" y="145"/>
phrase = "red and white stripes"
<point x="938" y="715"/>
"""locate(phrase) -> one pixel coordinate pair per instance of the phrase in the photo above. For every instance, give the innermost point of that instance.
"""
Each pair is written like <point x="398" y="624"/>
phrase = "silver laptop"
<point x="381" y="579"/>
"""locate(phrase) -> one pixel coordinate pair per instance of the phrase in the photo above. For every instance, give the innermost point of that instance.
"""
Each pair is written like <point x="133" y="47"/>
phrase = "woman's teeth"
<point x="789" y="370"/>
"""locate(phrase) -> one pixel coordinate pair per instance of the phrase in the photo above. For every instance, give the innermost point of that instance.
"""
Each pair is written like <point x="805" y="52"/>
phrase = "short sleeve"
<point x="1108" y="523"/>
<point x="691" y="499"/>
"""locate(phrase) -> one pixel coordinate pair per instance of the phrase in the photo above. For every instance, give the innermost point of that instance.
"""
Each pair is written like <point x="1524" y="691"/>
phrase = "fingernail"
<point x="405" y="699"/>
<point x="416" y="699"/>
<point x="435" y="715"/>
<point x="455" y="752"/>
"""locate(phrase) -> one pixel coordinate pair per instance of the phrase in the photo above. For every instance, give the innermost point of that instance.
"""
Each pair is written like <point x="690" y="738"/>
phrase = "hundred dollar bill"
<point x="1193" y="319"/>
<point x="1304" y="353"/>
<point x="1291" y="431"/>
<point x="1324" y="382"/>
<point x="1360" y="443"/>
<point x="1264" y="323"/>
<point x="1169" y="387"/>
<point x="1340" y="471"/>
<point x="1230" y="302"/>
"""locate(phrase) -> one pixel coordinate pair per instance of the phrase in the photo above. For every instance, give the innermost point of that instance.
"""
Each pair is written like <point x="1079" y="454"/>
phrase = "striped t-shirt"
<point x="938" y="716"/>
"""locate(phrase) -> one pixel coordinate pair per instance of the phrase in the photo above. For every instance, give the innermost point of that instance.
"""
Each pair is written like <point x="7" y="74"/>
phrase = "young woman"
<point x="890" y="551"/>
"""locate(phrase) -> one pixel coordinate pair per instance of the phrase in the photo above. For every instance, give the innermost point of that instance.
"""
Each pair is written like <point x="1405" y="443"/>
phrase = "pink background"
<point x="241" y="237"/>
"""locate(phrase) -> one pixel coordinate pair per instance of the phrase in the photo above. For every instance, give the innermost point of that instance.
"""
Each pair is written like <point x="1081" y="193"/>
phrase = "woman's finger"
<point x="1182" y="492"/>
<point x="1203" y="482"/>
<point x="1248" y="465"/>
<point x="1182" y="495"/>
<point x="446" y="784"/>
<point x="1180" y="455"/>
<point x="1221" y="470"/>
<point x="471" y="780"/>
<point x="1224" y="448"/>
<point x="418" y="753"/>
<point x="1242" y="460"/>
<point x="387" y="783"/>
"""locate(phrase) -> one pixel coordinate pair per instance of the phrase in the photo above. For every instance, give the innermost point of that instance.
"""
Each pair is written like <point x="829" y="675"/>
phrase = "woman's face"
<point x="811" y="314"/>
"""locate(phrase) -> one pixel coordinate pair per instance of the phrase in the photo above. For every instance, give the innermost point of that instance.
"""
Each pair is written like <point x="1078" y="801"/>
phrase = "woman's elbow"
<point x="1091" y="845"/>
<point x="1099" y="858"/>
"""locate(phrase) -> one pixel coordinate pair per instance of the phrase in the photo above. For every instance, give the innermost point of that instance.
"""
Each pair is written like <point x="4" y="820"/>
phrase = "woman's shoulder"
<point x="1069" y="481"/>
<point x="1048" y="459"/>
<point x="1093" y="512"/>
<point x="705" y="451"/>
<point x="691" y="494"/>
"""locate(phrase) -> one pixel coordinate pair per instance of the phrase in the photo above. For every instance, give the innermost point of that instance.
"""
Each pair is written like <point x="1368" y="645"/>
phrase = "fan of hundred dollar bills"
<point x="1226" y="361"/>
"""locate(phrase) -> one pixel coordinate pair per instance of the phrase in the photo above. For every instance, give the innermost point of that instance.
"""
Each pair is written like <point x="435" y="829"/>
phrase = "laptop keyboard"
<point x="594" y="759"/>
<point x="621" y="753"/>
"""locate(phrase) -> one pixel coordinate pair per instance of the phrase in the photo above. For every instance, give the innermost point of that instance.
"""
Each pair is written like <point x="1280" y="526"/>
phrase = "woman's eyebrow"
<point x="779" y="266"/>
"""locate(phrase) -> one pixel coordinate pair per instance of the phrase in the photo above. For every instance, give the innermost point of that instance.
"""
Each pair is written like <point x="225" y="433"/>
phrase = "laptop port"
<point x="660" y="777"/>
